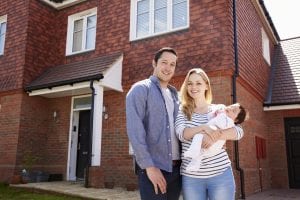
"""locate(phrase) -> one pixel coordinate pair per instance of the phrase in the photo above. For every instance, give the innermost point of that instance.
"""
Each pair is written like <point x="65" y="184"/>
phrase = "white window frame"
<point x="3" y="19"/>
<point x="265" y="46"/>
<point x="71" y="19"/>
<point x="133" y="20"/>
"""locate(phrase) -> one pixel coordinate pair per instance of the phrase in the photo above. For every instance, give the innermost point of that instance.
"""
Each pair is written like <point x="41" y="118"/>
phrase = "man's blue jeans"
<point x="221" y="187"/>
<point x="173" y="185"/>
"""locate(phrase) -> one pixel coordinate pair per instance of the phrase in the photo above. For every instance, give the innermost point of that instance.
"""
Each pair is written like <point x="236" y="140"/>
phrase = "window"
<point x="3" y="21"/>
<point x="81" y="36"/>
<point x="154" y="17"/>
<point x="265" y="46"/>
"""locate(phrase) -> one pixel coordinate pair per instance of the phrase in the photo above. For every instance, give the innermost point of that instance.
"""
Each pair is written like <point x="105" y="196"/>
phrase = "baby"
<point x="224" y="118"/>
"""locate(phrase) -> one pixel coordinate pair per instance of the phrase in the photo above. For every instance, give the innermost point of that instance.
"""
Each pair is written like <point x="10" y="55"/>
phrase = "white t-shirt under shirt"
<point x="170" y="109"/>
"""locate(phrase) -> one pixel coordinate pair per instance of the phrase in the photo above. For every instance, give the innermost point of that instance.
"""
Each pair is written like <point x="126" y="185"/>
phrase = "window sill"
<point x="158" y="34"/>
<point x="79" y="53"/>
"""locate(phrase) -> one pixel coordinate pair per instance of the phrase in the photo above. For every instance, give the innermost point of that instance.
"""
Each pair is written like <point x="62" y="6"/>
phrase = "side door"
<point x="292" y="132"/>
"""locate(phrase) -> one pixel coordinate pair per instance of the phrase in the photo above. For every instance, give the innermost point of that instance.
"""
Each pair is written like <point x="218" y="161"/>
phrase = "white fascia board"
<point x="64" y="4"/>
<point x="63" y="88"/>
<point x="282" y="107"/>
<point x="113" y="76"/>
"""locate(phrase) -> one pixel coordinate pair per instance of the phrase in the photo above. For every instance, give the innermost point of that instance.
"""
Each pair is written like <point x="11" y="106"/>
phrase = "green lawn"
<point x="9" y="193"/>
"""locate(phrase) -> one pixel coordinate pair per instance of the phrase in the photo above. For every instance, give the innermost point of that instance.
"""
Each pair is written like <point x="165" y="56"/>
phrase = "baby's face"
<point x="232" y="111"/>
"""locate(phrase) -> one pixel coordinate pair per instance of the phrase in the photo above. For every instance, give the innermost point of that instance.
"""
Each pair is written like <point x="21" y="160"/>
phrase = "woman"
<point x="214" y="178"/>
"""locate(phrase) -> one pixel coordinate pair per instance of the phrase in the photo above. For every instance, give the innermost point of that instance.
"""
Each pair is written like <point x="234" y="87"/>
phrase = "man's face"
<point x="165" y="67"/>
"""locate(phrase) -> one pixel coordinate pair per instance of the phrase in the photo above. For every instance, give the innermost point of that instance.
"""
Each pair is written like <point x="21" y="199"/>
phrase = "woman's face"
<point x="196" y="86"/>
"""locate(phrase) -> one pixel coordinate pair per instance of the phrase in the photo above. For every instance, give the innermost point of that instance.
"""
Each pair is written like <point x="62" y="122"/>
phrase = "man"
<point x="151" y="108"/>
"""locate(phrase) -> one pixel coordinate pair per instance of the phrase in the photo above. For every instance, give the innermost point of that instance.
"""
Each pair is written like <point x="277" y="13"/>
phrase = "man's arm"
<point x="136" y="101"/>
<point x="136" y="105"/>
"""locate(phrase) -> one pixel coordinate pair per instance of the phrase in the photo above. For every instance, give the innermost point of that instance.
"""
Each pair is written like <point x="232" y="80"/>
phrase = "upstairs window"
<point x="81" y="36"/>
<point x="154" y="17"/>
<point x="265" y="46"/>
<point x="3" y="21"/>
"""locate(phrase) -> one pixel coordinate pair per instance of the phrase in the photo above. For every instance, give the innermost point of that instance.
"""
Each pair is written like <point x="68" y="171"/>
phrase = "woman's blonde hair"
<point x="187" y="102"/>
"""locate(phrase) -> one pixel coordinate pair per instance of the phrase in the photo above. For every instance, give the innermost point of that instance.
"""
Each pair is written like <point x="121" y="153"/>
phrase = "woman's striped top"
<point x="211" y="166"/>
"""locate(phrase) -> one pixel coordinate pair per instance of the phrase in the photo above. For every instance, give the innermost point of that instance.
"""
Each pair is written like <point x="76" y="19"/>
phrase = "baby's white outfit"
<point x="220" y="121"/>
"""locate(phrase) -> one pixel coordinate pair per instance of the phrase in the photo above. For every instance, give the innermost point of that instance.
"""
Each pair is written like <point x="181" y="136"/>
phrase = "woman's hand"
<point x="211" y="138"/>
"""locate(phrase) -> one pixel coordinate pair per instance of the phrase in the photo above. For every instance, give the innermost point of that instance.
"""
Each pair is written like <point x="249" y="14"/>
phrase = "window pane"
<point x="90" y="32"/>
<point x="90" y="38"/>
<point x="78" y="25"/>
<point x="160" y="4"/>
<point x="142" y="6"/>
<point x="1" y="44"/>
<point x="91" y="21"/>
<point x="2" y="36"/>
<point x="77" y="35"/>
<point x="84" y="102"/>
<point x="178" y="1"/>
<point x="2" y="28"/>
<point x="160" y="19"/>
<point x="142" y="25"/>
<point x="180" y="14"/>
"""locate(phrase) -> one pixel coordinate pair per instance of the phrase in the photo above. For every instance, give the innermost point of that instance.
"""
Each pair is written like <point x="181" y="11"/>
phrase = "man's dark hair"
<point x="162" y="50"/>
<point x="241" y="116"/>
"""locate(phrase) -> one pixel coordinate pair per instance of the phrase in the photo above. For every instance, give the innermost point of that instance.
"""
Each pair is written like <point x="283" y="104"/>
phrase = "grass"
<point x="9" y="193"/>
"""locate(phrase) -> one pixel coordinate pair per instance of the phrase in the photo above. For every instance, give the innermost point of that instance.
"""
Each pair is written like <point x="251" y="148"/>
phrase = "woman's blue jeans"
<point x="221" y="187"/>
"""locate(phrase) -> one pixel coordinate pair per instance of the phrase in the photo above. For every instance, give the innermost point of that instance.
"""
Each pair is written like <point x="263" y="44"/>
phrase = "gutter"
<point x="87" y="169"/>
<point x="63" y="82"/>
<point x="234" y="77"/>
<point x="262" y="4"/>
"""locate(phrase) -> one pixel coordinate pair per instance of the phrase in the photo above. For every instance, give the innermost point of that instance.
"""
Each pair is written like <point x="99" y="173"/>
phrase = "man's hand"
<point x="211" y="138"/>
<point x="157" y="179"/>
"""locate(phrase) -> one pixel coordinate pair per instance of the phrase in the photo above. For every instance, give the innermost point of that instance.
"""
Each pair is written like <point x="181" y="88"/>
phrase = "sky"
<point x="285" y="15"/>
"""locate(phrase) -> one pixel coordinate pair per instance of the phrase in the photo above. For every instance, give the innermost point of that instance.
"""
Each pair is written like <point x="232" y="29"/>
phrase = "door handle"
<point x="84" y="153"/>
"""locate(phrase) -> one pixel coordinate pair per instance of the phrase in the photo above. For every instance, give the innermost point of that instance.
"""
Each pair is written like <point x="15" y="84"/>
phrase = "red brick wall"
<point x="9" y="127"/>
<point x="43" y="136"/>
<point x="277" y="147"/>
<point x="12" y="62"/>
<point x="253" y="67"/>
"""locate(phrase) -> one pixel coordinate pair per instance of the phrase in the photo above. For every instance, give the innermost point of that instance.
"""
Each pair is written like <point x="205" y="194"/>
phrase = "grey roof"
<point x="76" y="72"/>
<point x="284" y="86"/>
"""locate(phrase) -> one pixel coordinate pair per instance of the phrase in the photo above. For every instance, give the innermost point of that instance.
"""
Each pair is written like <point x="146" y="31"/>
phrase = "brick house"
<point x="65" y="69"/>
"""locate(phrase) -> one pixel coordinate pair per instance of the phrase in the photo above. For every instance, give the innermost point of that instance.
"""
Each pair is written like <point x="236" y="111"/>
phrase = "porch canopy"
<point x="284" y="84"/>
<point x="74" y="78"/>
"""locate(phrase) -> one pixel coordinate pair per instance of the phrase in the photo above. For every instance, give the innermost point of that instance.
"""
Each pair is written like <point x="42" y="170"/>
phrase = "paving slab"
<point x="78" y="190"/>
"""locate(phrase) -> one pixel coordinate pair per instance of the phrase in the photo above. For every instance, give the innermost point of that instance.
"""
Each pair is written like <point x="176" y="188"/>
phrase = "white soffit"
<point x="282" y="107"/>
<point x="64" y="4"/>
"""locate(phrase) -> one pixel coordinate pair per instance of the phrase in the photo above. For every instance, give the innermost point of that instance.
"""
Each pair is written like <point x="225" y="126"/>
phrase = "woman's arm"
<point x="211" y="136"/>
<point x="189" y="133"/>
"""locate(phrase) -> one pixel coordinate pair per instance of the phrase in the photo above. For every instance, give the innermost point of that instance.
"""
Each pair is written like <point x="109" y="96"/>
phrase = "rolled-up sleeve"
<point x="180" y="125"/>
<point x="239" y="132"/>
<point x="135" y="113"/>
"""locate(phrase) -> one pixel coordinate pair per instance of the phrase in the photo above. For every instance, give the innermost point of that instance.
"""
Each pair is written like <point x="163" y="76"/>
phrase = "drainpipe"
<point x="234" y="77"/>
<point x="86" y="180"/>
